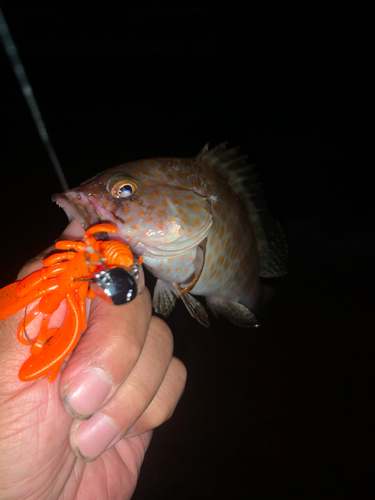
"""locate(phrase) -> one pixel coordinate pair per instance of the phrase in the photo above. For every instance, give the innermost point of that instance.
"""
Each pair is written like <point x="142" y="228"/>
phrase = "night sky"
<point x="287" y="410"/>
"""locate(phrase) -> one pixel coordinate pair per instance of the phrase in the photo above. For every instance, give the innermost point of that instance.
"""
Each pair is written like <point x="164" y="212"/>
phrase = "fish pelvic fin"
<point x="268" y="233"/>
<point x="196" y="309"/>
<point x="237" y="313"/>
<point x="164" y="299"/>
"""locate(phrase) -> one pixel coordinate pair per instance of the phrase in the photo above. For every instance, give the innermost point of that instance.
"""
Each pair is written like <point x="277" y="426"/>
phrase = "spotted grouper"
<point x="201" y="225"/>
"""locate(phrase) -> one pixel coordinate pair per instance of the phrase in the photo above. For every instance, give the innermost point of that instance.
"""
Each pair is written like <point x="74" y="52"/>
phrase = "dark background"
<point x="286" y="410"/>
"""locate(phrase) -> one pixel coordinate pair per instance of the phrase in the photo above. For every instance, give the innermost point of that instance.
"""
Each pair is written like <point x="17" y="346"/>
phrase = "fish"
<point x="201" y="225"/>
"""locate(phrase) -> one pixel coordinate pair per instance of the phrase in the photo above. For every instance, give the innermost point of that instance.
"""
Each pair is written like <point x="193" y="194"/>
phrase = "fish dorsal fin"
<point x="269" y="236"/>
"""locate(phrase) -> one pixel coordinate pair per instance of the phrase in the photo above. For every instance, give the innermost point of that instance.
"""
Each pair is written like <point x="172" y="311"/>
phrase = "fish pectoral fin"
<point x="164" y="298"/>
<point x="200" y="259"/>
<point x="237" y="313"/>
<point x="196" y="309"/>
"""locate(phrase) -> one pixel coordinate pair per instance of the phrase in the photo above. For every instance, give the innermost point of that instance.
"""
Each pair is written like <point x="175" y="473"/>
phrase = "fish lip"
<point x="72" y="210"/>
<point x="85" y="210"/>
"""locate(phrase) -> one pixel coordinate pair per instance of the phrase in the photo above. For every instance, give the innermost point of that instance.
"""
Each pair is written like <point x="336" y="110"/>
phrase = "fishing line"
<point x="12" y="53"/>
<point x="24" y="328"/>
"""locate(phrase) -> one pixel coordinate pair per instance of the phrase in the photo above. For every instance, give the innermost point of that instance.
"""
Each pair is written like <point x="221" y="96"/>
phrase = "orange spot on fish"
<point x="157" y="175"/>
<point x="148" y="220"/>
<point x="153" y="163"/>
<point x="182" y="174"/>
<point x="195" y="208"/>
<point x="196" y="222"/>
<point x="129" y="220"/>
<point x="177" y="201"/>
<point x="185" y="219"/>
<point x="136" y="227"/>
<point x="161" y="213"/>
<point x="154" y="194"/>
<point x="182" y="211"/>
<point x="141" y="213"/>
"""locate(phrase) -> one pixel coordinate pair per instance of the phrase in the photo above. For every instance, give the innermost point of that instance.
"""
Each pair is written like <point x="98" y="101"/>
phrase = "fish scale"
<point x="200" y="224"/>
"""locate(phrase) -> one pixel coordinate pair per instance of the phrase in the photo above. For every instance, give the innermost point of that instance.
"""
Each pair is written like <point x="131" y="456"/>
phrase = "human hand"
<point x="122" y="374"/>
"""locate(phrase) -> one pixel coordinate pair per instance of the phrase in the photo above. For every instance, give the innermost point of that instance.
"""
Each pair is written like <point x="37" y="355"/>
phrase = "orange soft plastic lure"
<point x="84" y="269"/>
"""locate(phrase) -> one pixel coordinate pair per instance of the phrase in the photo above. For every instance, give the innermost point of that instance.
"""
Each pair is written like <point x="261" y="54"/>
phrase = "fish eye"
<point x="123" y="188"/>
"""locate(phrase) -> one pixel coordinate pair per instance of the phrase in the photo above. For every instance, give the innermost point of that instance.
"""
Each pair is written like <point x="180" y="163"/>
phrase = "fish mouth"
<point x="71" y="211"/>
<point x="83" y="209"/>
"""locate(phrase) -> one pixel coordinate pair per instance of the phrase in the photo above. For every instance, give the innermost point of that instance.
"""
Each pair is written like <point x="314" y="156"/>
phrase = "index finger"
<point x="73" y="231"/>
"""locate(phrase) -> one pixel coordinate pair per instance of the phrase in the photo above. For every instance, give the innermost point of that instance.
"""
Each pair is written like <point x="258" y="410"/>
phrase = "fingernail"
<point x="86" y="393"/>
<point x="94" y="436"/>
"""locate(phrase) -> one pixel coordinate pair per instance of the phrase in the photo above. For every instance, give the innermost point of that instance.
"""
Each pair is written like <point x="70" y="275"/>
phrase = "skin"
<point x="122" y="374"/>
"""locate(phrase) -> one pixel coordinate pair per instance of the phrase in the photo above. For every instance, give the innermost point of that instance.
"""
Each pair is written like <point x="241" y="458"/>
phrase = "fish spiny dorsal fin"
<point x="270" y="238"/>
